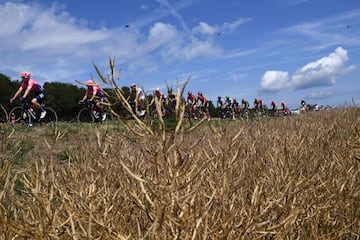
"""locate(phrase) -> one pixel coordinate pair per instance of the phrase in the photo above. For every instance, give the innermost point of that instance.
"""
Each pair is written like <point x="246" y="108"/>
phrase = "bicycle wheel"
<point x="85" y="116"/>
<point x="50" y="118"/>
<point x="19" y="116"/>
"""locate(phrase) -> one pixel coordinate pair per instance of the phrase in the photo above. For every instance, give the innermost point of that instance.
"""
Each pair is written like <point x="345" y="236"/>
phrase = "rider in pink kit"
<point x="96" y="96"/>
<point x="31" y="85"/>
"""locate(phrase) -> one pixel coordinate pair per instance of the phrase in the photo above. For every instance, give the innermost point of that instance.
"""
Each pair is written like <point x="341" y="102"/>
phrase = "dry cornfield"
<point x="283" y="178"/>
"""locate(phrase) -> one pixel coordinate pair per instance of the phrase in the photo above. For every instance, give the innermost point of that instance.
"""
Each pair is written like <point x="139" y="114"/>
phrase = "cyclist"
<point x="31" y="85"/>
<point x="227" y="109"/>
<point x="245" y="107"/>
<point x="235" y="108"/>
<point x="284" y="108"/>
<point x="192" y="101"/>
<point x="303" y="105"/>
<point x="256" y="104"/>
<point x="170" y="100"/>
<point x="95" y="97"/>
<point x="259" y="106"/>
<point x="273" y="107"/>
<point x="12" y="120"/>
<point x="160" y="97"/>
<point x="204" y="104"/>
<point x="137" y="95"/>
<point x="220" y="106"/>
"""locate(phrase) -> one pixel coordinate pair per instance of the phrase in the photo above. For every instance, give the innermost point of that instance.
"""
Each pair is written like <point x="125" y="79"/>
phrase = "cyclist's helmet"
<point x="133" y="85"/>
<point x="227" y="97"/>
<point x="157" y="89"/>
<point x="234" y="99"/>
<point x="200" y="93"/>
<point x="189" y="93"/>
<point x="25" y="75"/>
<point x="89" y="82"/>
<point x="219" y="97"/>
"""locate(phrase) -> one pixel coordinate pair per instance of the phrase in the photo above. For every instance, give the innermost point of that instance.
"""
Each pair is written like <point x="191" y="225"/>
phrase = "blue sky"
<point x="270" y="49"/>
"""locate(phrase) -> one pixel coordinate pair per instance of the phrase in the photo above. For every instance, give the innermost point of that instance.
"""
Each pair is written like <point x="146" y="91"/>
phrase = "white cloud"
<point x="36" y="28"/>
<point x="232" y="26"/>
<point x="206" y="29"/>
<point x="161" y="34"/>
<point x="322" y="94"/>
<point x="323" y="72"/>
<point x="197" y="48"/>
<point x="61" y="45"/>
<point x="274" y="81"/>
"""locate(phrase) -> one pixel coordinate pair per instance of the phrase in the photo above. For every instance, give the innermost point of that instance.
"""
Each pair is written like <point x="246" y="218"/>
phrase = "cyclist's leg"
<point x="98" y="107"/>
<point x="37" y="102"/>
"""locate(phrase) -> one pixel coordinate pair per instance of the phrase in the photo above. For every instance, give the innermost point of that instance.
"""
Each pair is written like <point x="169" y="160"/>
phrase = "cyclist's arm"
<point x="16" y="94"/>
<point x="27" y="91"/>
<point x="92" y="98"/>
<point x="204" y="102"/>
<point x="84" y="98"/>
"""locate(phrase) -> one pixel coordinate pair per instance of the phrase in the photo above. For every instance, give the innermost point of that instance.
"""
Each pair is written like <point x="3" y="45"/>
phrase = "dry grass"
<point x="291" y="178"/>
<point x="284" y="178"/>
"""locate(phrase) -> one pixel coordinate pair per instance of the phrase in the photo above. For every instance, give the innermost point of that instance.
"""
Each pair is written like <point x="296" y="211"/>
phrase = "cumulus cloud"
<point x="274" y="80"/>
<point x="323" y="72"/>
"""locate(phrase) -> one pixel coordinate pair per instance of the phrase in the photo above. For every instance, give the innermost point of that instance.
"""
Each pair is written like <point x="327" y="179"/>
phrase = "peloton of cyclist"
<point x="204" y="104"/>
<point x="138" y="96"/>
<point x="95" y="96"/>
<point x="31" y="85"/>
<point x="191" y="101"/>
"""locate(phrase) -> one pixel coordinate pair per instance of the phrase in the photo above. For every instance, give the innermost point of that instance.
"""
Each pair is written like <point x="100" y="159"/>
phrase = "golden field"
<point x="295" y="177"/>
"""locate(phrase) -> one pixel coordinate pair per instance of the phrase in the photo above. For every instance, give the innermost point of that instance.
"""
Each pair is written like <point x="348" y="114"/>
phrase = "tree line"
<point x="63" y="97"/>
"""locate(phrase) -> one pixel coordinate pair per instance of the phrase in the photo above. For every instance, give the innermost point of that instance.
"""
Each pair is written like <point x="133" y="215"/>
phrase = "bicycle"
<point x="27" y="116"/>
<point x="87" y="115"/>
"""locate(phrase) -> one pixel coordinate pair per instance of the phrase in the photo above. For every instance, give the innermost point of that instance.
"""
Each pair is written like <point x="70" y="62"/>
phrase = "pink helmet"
<point x="25" y="75"/>
<point x="89" y="82"/>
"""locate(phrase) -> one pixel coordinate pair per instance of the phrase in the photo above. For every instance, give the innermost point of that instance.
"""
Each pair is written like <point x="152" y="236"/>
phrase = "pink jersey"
<point x="32" y="85"/>
<point x="95" y="90"/>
